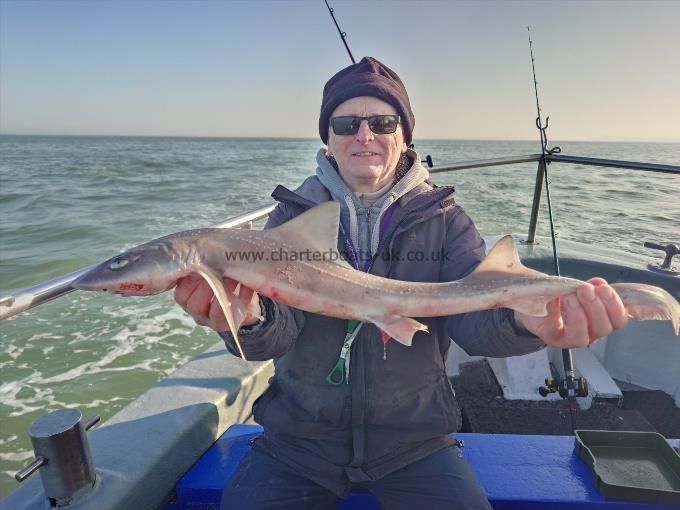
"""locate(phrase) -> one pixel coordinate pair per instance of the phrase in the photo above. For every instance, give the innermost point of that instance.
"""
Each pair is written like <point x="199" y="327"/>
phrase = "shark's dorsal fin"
<point x="503" y="258"/>
<point x="503" y="262"/>
<point x="318" y="227"/>
<point x="317" y="230"/>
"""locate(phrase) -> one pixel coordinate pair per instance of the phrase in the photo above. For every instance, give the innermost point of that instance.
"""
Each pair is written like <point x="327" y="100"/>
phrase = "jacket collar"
<point x="426" y="198"/>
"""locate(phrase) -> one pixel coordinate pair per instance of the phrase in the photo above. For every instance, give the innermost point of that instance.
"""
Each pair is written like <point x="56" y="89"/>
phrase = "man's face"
<point x="366" y="160"/>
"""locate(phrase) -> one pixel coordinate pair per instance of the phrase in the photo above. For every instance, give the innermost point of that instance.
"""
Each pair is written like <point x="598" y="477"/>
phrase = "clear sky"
<point x="607" y="70"/>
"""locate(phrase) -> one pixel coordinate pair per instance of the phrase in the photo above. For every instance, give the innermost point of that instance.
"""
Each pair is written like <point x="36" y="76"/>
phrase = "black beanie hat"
<point x="367" y="78"/>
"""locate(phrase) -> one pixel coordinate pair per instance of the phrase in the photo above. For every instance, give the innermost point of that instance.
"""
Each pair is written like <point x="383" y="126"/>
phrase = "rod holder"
<point x="535" y="207"/>
<point x="62" y="454"/>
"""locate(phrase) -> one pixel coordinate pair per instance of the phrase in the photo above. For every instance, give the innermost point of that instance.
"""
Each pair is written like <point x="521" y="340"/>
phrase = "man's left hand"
<point x="579" y="319"/>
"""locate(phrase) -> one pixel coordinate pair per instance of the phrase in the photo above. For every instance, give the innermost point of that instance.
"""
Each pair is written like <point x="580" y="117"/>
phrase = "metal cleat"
<point x="63" y="456"/>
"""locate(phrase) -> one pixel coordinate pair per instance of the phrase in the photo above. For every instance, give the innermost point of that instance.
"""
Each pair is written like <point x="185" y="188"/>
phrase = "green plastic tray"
<point x="637" y="466"/>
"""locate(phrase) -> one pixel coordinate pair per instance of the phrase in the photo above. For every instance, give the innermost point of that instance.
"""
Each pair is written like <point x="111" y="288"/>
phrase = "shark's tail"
<point x="642" y="302"/>
<point x="646" y="302"/>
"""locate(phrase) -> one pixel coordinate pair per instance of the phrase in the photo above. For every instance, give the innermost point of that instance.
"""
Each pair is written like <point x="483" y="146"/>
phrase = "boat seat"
<point x="517" y="472"/>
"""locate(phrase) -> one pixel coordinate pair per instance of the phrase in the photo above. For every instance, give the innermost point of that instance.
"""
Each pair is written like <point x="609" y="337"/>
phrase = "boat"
<point x="156" y="453"/>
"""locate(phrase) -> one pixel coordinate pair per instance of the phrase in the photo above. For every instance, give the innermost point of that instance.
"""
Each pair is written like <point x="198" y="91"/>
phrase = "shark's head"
<point x="148" y="269"/>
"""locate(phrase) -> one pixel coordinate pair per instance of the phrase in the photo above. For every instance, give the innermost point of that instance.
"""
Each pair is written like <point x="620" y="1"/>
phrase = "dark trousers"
<point x="441" y="481"/>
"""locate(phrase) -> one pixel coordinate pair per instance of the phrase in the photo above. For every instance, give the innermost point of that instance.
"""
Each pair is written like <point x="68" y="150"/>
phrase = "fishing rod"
<point x="343" y="35"/>
<point x="569" y="387"/>
<point x="545" y="151"/>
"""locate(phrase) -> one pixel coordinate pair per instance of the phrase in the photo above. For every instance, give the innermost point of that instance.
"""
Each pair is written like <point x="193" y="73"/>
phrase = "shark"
<point x="298" y="264"/>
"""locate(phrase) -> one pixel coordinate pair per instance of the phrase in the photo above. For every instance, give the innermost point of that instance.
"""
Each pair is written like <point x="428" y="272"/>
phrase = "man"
<point x="387" y="428"/>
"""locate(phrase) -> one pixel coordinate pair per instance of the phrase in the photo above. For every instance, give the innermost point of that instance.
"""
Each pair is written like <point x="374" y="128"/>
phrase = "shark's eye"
<point x="118" y="263"/>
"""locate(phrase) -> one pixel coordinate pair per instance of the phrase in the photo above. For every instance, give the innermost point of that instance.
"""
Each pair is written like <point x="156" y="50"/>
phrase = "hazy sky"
<point x="607" y="70"/>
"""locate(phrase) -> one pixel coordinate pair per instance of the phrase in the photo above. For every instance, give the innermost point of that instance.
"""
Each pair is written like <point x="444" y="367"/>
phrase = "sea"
<point x="67" y="202"/>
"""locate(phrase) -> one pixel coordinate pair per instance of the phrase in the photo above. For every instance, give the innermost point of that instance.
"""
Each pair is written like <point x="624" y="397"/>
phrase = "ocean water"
<point x="68" y="202"/>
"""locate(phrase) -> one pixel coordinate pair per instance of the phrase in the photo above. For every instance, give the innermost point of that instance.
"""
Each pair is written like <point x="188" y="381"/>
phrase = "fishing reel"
<point x="561" y="387"/>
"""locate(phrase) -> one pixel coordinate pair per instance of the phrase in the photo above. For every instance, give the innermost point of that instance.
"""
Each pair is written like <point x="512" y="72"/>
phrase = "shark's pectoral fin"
<point x="400" y="328"/>
<point x="240" y="298"/>
<point x="536" y="306"/>
<point x="234" y="309"/>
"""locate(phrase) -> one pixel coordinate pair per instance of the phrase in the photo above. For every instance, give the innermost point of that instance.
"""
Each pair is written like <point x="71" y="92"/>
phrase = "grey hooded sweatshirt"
<point x="358" y="216"/>
<point x="399" y="406"/>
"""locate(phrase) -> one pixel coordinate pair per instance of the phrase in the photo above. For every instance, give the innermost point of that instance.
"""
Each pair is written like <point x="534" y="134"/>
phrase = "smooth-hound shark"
<point x="298" y="264"/>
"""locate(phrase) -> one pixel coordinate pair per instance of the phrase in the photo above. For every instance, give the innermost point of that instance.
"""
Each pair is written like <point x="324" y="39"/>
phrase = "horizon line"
<point x="222" y="137"/>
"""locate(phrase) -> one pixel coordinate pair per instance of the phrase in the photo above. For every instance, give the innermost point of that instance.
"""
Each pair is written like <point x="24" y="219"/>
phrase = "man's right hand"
<point x="197" y="298"/>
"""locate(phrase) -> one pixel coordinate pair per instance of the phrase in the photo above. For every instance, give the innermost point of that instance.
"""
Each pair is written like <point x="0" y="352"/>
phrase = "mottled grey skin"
<point x="333" y="288"/>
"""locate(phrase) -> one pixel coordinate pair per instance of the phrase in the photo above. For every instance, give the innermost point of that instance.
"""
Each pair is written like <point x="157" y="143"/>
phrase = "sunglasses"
<point x="379" y="124"/>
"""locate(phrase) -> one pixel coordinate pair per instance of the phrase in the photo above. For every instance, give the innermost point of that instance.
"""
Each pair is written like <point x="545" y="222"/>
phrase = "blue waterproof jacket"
<point x="394" y="411"/>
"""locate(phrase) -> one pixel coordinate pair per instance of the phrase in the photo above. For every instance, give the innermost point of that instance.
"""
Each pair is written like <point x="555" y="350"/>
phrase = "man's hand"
<point x="579" y="319"/>
<point x="197" y="298"/>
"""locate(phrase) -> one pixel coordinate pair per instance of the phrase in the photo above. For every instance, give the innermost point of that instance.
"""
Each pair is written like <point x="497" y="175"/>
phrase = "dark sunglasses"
<point x="379" y="124"/>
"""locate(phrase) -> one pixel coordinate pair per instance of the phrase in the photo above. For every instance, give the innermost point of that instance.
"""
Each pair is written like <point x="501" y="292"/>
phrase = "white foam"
<point x="121" y="329"/>
<point x="45" y="336"/>
<point x="13" y="351"/>
<point x="40" y="400"/>
<point x="10" y="439"/>
<point x="98" y="403"/>
<point x="19" y="456"/>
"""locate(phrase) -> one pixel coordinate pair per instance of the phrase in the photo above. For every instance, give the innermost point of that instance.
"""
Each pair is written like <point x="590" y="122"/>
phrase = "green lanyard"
<point x="340" y="372"/>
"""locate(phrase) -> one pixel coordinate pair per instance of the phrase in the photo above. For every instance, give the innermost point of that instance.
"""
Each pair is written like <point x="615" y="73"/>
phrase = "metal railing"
<point x="558" y="158"/>
<point x="29" y="297"/>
